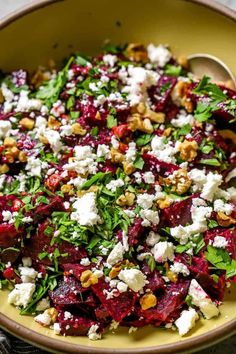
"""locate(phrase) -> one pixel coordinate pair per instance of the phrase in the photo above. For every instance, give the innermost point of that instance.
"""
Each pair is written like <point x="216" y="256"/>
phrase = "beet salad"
<point x="117" y="192"/>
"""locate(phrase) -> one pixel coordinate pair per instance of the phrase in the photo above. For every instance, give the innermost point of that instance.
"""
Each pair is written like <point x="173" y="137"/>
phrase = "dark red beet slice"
<point x="172" y="300"/>
<point x="8" y="235"/>
<point x="45" y="210"/>
<point x="67" y="293"/>
<point x="74" y="326"/>
<point x="159" y="167"/>
<point x="177" y="214"/>
<point x="118" y="307"/>
<point x="159" y="98"/>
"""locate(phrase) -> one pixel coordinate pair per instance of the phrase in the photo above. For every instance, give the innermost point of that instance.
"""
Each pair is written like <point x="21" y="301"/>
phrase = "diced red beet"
<point x="159" y="167"/>
<point x="8" y="235"/>
<point x="155" y="281"/>
<point x="67" y="293"/>
<point x="172" y="300"/>
<point x="75" y="269"/>
<point x="101" y="313"/>
<point x="44" y="210"/>
<point x="75" y="325"/>
<point x="135" y="231"/>
<point x="118" y="307"/>
<point x="160" y="99"/>
<point x="178" y="213"/>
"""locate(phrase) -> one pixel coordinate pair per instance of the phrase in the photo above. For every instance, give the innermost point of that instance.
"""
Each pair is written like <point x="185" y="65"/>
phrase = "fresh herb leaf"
<point x="139" y="162"/>
<point x="210" y="162"/>
<point x="173" y="70"/>
<point x="144" y="139"/>
<point x="212" y="90"/>
<point x="111" y="121"/>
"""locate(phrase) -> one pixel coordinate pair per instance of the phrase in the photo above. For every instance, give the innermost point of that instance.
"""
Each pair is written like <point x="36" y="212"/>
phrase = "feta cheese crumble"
<point x="85" y="210"/>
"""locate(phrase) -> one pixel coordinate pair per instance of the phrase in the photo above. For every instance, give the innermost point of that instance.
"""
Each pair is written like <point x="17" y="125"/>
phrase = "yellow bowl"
<point x="49" y="29"/>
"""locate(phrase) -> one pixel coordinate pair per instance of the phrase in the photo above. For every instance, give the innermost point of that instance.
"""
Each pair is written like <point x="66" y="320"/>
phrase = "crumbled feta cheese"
<point x="114" y="184"/>
<point x="163" y="251"/>
<point x="34" y="166"/>
<point x="58" y="108"/>
<point x="122" y="287"/>
<point x="110" y="59"/>
<point x="159" y="55"/>
<point x="28" y="275"/>
<point x="211" y="186"/>
<point x="21" y="294"/>
<point x="43" y="318"/>
<point x="162" y="150"/>
<point x="86" y="212"/>
<point x="85" y="261"/>
<point x="103" y="151"/>
<point x="182" y="119"/>
<point x="198" y="178"/>
<point x="221" y="206"/>
<point x="54" y="139"/>
<point x="5" y="127"/>
<point x="186" y="321"/>
<point x="230" y="175"/>
<point x="116" y="254"/>
<point x="130" y="213"/>
<point x="77" y="182"/>
<point x="132" y="329"/>
<point x="66" y="130"/>
<point x="232" y="193"/>
<point x="134" y="278"/>
<point x="220" y="242"/>
<point x="43" y="304"/>
<point x="131" y="152"/>
<point x="114" y="142"/>
<point x="179" y="267"/>
<point x="56" y="328"/>
<point x="84" y="161"/>
<point x="26" y="104"/>
<point x="149" y="177"/>
<point x="138" y="81"/>
<point x="202" y="300"/>
<point x="149" y="217"/>
<point x="138" y="177"/>
<point x="67" y="315"/>
<point x="92" y="333"/>
<point x="145" y="200"/>
<point x="152" y="238"/>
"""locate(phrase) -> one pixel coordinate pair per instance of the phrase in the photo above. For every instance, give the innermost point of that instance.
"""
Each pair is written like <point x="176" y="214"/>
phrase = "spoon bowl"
<point x="205" y="64"/>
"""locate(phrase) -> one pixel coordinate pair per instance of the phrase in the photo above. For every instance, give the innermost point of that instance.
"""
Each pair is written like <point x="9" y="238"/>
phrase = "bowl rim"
<point x="196" y="343"/>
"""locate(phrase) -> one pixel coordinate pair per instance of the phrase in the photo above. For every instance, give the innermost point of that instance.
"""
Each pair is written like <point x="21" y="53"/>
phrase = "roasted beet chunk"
<point x="171" y="301"/>
<point x="67" y="293"/>
<point x="229" y="235"/>
<point x="74" y="325"/>
<point x="159" y="168"/>
<point x="45" y="210"/>
<point x="118" y="307"/>
<point x="8" y="235"/>
<point x="159" y="96"/>
<point x="177" y="214"/>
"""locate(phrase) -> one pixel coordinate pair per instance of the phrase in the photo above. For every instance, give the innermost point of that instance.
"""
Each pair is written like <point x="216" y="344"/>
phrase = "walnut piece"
<point x="188" y="150"/>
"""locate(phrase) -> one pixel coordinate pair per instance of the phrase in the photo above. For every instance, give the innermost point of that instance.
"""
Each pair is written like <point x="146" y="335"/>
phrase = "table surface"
<point x="6" y="7"/>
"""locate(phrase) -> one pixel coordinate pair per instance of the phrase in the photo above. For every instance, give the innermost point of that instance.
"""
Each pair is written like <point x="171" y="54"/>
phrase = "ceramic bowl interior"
<point x="56" y="30"/>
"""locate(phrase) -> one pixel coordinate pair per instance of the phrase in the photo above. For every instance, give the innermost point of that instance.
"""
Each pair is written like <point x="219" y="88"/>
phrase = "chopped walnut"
<point x="1" y="97"/>
<point x="9" y="142"/>
<point x="224" y="220"/>
<point x="145" y="112"/>
<point x="137" y="52"/>
<point x="4" y="169"/>
<point x="116" y="156"/>
<point x="188" y="150"/>
<point x="67" y="189"/>
<point x="22" y="156"/>
<point x="179" y="181"/>
<point x="128" y="167"/>
<point x="126" y="199"/>
<point x="53" y="123"/>
<point x="53" y="313"/>
<point x="27" y="123"/>
<point x="77" y="129"/>
<point x="179" y="96"/>
<point x="183" y="61"/>
<point x="167" y="132"/>
<point x="147" y="301"/>
<point x="87" y="278"/>
<point x="164" y="203"/>
<point x="173" y="277"/>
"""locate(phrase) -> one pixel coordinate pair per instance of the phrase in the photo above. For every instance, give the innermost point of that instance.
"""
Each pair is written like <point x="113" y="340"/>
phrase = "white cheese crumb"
<point x="163" y="251"/>
<point x="221" y="206"/>
<point x="186" y="321"/>
<point x="103" y="151"/>
<point x="202" y="300"/>
<point x="86" y="212"/>
<point x="85" y="261"/>
<point x="134" y="278"/>
<point x="114" y="184"/>
<point x="213" y="182"/>
<point x="152" y="238"/>
<point x="149" y="217"/>
<point x="5" y="127"/>
<point x="21" y="294"/>
<point x="92" y="333"/>
<point x="56" y="328"/>
<point x="116" y="254"/>
<point x="145" y="200"/>
<point x="110" y="59"/>
<point x="28" y="275"/>
<point x="26" y="261"/>
<point x="84" y="161"/>
<point x="179" y="267"/>
<point x="43" y="318"/>
<point x="220" y="242"/>
<point x="159" y="55"/>
<point x="149" y="177"/>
